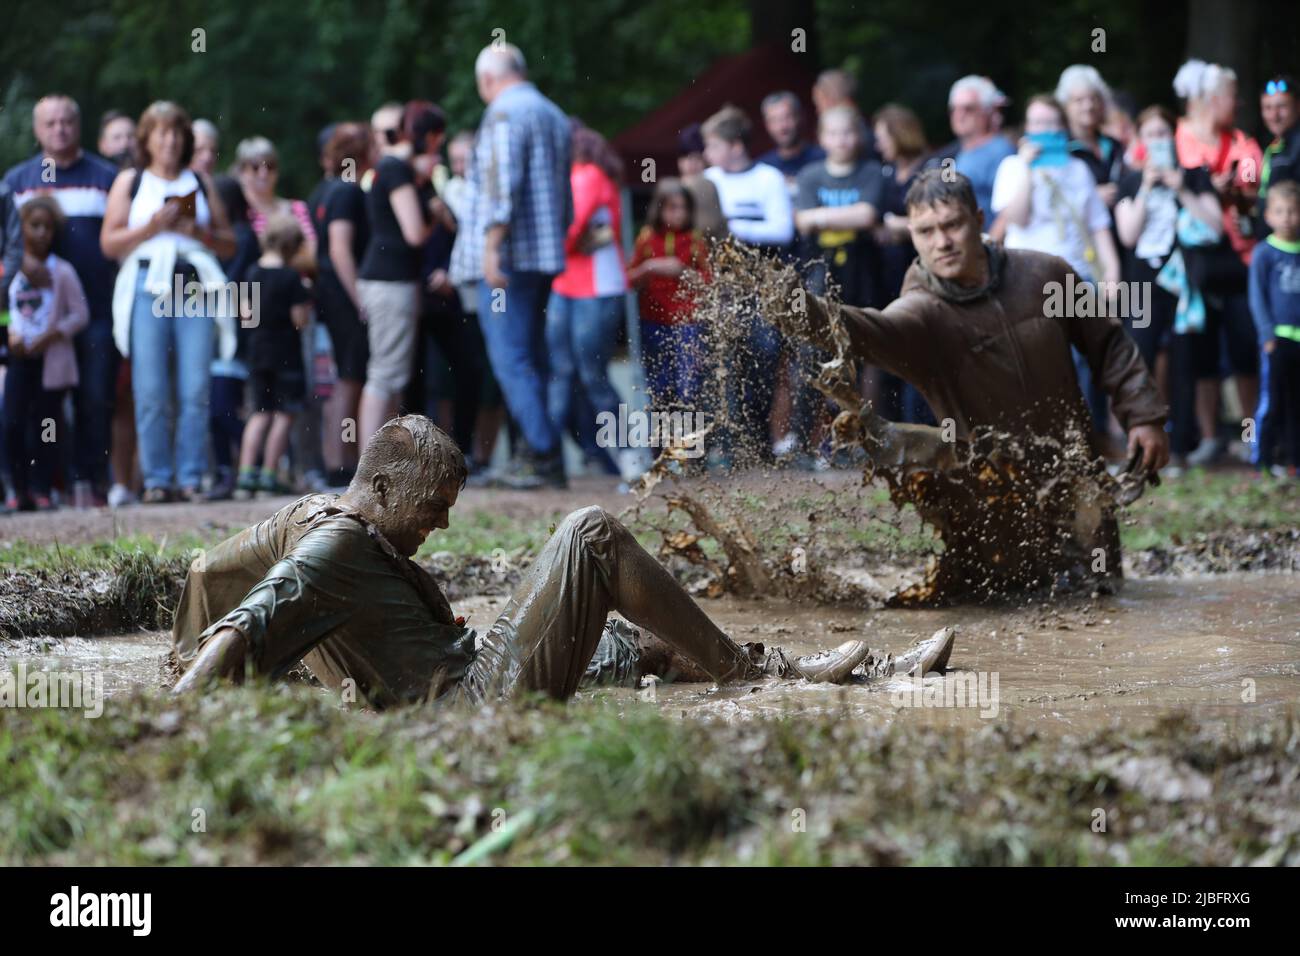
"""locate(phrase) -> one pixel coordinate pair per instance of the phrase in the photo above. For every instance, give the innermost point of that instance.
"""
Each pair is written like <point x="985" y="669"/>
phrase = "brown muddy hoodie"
<point x="991" y="357"/>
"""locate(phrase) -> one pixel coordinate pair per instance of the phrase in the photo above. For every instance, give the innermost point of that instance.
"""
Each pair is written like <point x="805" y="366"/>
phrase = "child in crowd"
<point x="43" y="364"/>
<point x="1275" y="307"/>
<point x="756" y="204"/>
<point x="277" y="379"/>
<point x="840" y="199"/>
<point x="225" y="420"/>
<point x="667" y="246"/>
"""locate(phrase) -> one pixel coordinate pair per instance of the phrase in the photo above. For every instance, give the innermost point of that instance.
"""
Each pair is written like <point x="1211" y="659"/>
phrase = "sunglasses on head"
<point x="1273" y="87"/>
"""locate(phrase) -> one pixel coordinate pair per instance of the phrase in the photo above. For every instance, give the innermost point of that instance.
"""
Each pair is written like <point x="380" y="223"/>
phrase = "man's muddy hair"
<point x="934" y="186"/>
<point x="415" y="453"/>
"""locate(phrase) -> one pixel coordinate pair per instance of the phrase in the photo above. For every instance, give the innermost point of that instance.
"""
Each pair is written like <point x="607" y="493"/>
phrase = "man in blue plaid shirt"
<point x="512" y="244"/>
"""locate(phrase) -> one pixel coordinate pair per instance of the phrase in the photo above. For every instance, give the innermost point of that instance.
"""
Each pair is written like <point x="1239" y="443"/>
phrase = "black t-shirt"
<point x="895" y="257"/>
<point x="1109" y="166"/>
<point x="1197" y="182"/>
<point x="334" y="200"/>
<point x="388" y="258"/>
<point x="851" y="255"/>
<point x="274" y="343"/>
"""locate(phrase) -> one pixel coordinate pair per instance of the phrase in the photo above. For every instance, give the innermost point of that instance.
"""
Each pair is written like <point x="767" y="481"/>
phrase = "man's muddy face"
<point x="430" y="513"/>
<point x="947" y="238"/>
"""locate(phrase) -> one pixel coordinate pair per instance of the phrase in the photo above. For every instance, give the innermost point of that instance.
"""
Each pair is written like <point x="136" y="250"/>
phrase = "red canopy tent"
<point x="743" y="80"/>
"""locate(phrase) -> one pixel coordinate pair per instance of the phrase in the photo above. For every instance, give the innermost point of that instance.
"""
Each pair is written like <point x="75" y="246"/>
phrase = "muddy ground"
<point x="1169" y="708"/>
<point x="1226" y="652"/>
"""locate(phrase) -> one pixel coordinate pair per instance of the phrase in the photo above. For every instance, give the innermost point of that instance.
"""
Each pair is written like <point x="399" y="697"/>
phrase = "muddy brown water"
<point x="1224" y="648"/>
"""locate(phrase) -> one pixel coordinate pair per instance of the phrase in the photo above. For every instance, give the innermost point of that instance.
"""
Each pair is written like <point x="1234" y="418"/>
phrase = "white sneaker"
<point x="630" y="464"/>
<point x="119" y="496"/>
<point x="788" y="443"/>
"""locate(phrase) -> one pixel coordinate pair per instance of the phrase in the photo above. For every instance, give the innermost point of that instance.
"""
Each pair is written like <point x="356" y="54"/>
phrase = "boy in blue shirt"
<point x="1275" y="307"/>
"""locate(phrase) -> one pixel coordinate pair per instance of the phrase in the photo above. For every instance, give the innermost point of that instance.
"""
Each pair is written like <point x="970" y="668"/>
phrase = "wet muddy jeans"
<point x="555" y="624"/>
<point x="317" y="584"/>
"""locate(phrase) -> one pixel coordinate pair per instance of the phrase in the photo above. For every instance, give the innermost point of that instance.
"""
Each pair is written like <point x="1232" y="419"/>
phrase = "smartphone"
<point x="1053" y="149"/>
<point x="188" y="203"/>
<point x="1161" y="153"/>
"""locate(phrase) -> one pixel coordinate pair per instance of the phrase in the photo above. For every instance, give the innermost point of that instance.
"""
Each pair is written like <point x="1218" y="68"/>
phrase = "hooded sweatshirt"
<point x="991" y="356"/>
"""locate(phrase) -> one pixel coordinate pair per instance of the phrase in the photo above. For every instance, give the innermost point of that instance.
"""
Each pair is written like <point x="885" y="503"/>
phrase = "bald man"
<point x="512" y="245"/>
<point x="79" y="181"/>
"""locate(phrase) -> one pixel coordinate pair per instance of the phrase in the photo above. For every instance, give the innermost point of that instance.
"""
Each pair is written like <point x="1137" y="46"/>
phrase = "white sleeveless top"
<point x="154" y="191"/>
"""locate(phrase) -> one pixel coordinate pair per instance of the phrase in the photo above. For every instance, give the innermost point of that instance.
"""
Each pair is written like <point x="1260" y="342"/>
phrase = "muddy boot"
<point x="831" y="666"/>
<point x="929" y="656"/>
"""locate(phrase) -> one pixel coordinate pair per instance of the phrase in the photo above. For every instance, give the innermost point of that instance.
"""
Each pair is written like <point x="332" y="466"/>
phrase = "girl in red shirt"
<point x="670" y="337"/>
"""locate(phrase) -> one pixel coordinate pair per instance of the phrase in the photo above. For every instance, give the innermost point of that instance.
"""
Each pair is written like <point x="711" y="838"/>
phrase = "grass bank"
<point x="285" y="775"/>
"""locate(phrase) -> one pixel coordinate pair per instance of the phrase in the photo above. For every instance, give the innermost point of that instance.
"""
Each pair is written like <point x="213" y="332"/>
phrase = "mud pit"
<point x="1223" y="648"/>
<point x="1014" y="512"/>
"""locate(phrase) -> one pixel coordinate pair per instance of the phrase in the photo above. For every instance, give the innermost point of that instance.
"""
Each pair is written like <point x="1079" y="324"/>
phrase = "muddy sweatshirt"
<point x="320" y="584"/>
<point x="997" y="360"/>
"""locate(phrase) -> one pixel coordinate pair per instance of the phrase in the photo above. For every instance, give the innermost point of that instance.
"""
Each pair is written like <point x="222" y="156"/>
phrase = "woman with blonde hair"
<point x="1087" y="100"/>
<point x="1207" y="138"/>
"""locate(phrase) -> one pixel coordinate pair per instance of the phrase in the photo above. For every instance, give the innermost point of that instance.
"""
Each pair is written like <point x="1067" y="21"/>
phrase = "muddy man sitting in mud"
<point x="329" y="581"/>
<point x="1014" y="483"/>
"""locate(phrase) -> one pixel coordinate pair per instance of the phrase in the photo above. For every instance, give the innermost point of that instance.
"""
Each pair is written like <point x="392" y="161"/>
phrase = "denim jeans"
<point x="93" y="401"/>
<point x="672" y="363"/>
<point x="157" y="342"/>
<point x="580" y="336"/>
<point x="515" y="334"/>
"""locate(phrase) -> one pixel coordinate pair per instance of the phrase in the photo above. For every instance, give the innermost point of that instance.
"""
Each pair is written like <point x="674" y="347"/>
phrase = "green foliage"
<point x="287" y="70"/>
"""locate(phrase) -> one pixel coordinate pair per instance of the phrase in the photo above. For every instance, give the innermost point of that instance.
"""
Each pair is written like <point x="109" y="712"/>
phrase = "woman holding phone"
<point x="1146" y="216"/>
<point x="167" y="227"/>
<point x="1050" y="199"/>
<point x="1049" y="202"/>
<point x="1207" y="138"/>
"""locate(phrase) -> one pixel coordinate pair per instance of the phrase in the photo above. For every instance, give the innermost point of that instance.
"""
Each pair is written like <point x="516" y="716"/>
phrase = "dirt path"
<point x="69" y="526"/>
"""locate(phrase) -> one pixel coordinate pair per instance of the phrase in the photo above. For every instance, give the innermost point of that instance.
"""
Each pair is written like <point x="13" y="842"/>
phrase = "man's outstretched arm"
<point x="892" y="338"/>
<point x="302" y="598"/>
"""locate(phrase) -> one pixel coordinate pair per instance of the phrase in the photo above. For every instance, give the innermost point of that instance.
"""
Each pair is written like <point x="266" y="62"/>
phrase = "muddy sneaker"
<point x="831" y="666"/>
<point x="929" y="656"/>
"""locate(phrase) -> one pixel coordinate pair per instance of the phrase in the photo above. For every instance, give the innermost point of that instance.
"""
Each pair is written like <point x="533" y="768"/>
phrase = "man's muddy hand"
<point x="222" y="657"/>
<point x="1154" y="444"/>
